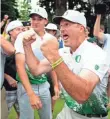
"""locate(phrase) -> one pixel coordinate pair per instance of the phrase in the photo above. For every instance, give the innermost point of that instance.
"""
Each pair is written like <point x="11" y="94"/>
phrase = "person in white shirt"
<point x="13" y="29"/>
<point x="51" y="28"/>
<point x="104" y="39"/>
<point x="81" y="68"/>
<point x="6" y="49"/>
<point x="33" y="90"/>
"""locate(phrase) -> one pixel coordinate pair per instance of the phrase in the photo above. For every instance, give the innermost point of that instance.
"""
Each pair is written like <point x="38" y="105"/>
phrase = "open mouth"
<point x="65" y="37"/>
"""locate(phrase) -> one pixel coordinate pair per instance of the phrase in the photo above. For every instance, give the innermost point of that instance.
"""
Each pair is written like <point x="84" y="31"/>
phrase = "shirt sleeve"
<point x="103" y="39"/>
<point x="19" y="44"/>
<point x="97" y="65"/>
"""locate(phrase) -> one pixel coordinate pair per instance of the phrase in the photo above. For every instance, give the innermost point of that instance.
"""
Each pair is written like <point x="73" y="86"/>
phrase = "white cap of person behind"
<point x="13" y="24"/>
<point x="39" y="11"/>
<point x="51" y="26"/>
<point x="73" y="16"/>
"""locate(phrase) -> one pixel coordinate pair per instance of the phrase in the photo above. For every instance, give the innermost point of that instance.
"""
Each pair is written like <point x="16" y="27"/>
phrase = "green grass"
<point x="109" y="114"/>
<point x="58" y="107"/>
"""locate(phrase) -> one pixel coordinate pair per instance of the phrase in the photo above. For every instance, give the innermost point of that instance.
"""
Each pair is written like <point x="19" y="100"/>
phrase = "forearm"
<point x="25" y="81"/>
<point x="36" y="67"/>
<point x="31" y="60"/>
<point x="2" y="23"/>
<point x="6" y="26"/>
<point x="7" y="46"/>
<point x="97" y="26"/>
<point x="77" y="87"/>
<point x="8" y="77"/>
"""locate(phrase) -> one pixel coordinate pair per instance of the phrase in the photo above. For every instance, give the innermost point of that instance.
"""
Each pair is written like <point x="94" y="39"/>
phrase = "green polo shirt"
<point x="34" y="79"/>
<point x="92" y="58"/>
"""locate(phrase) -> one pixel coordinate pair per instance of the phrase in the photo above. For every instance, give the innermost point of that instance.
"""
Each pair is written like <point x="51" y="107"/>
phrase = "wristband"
<point x="56" y="63"/>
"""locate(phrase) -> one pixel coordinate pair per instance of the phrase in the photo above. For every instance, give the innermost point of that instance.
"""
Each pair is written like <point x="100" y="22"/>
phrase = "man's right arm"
<point x="20" y="65"/>
<point x="36" y="67"/>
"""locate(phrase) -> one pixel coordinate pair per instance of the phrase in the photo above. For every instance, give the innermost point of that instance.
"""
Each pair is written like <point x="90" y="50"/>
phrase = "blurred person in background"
<point x="27" y="25"/>
<point x="104" y="39"/>
<point x="52" y="29"/>
<point x="6" y="49"/>
<point x="90" y="39"/>
<point x="13" y="29"/>
<point x="2" y="23"/>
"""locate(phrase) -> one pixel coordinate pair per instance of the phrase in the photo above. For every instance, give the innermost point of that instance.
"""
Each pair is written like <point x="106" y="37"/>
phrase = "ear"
<point x="82" y="29"/>
<point x="10" y="32"/>
<point x="46" y="22"/>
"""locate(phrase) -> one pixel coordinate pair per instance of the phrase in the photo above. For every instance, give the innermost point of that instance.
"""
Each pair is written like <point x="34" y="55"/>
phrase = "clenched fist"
<point x="50" y="47"/>
<point x="29" y="37"/>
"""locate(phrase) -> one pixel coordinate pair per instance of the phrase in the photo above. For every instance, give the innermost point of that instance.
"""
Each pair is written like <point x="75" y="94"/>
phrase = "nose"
<point x="62" y="29"/>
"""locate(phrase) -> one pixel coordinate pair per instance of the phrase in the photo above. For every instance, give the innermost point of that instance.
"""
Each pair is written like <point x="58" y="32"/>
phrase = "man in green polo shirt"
<point x="80" y="66"/>
<point x="33" y="91"/>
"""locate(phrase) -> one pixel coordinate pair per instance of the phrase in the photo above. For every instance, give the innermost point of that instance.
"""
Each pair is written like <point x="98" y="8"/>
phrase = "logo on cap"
<point x="65" y="14"/>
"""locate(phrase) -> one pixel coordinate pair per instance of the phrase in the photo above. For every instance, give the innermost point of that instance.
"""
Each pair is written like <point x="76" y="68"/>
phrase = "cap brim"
<point x="57" y="19"/>
<point x="50" y="29"/>
<point x="34" y="14"/>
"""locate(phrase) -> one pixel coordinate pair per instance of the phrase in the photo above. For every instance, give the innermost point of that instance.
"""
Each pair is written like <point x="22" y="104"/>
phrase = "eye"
<point x="39" y="19"/>
<point x="67" y="24"/>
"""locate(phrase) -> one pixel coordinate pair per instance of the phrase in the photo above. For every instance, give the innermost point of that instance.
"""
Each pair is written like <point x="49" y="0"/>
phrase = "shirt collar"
<point x="80" y="48"/>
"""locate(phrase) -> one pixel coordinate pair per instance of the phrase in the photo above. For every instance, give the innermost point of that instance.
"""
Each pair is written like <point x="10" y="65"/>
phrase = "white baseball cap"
<point x="39" y="11"/>
<point x="12" y="25"/>
<point x="73" y="16"/>
<point x="51" y="26"/>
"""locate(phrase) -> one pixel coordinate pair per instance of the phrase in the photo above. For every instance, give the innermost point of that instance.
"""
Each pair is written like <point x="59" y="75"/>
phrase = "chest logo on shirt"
<point x="96" y="67"/>
<point x="78" y="58"/>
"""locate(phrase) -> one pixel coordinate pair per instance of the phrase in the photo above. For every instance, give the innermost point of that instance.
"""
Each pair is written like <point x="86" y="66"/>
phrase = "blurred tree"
<point x="61" y="6"/>
<point x="49" y="6"/>
<point x="24" y="10"/>
<point x="54" y="7"/>
<point x="57" y="7"/>
<point x="9" y="7"/>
